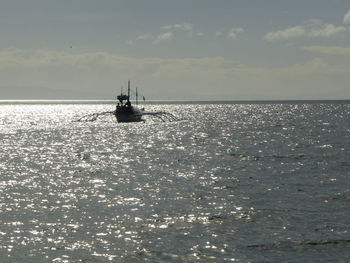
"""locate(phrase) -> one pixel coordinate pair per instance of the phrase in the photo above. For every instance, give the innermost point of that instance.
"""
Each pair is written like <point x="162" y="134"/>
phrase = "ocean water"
<point x="255" y="182"/>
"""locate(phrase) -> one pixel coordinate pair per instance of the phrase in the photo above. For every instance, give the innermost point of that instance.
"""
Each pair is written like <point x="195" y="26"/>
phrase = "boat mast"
<point x="129" y="90"/>
<point x="137" y="97"/>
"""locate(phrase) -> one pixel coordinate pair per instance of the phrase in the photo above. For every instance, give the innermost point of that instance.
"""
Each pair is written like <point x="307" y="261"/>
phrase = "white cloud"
<point x="346" y="19"/>
<point x="187" y="27"/>
<point x="291" y="32"/>
<point x="232" y="34"/>
<point x="314" y="28"/>
<point x="184" y="28"/>
<point x="327" y="30"/>
<point x="329" y="50"/>
<point x="168" y="36"/>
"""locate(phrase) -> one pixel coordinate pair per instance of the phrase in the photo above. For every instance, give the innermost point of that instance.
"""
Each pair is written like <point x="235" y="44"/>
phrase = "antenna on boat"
<point x="128" y="90"/>
<point x="137" y="97"/>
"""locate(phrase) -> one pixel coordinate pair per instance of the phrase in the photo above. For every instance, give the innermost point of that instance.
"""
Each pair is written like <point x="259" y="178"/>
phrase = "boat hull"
<point x="128" y="114"/>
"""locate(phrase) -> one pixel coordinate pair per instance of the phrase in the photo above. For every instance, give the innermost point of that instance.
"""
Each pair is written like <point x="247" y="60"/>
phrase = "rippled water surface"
<point x="233" y="182"/>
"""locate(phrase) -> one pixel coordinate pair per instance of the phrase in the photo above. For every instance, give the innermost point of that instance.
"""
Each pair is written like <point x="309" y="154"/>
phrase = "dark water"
<point x="253" y="182"/>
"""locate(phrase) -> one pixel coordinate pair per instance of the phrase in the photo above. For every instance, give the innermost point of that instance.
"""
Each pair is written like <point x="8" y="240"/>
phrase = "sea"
<point x="221" y="182"/>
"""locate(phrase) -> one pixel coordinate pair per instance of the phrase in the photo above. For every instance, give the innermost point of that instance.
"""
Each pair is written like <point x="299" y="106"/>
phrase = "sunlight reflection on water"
<point x="226" y="180"/>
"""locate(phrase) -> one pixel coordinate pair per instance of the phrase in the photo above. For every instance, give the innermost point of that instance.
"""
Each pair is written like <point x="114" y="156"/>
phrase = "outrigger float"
<point x="126" y="112"/>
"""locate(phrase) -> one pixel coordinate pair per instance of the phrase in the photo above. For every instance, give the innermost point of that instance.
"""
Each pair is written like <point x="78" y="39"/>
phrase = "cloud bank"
<point x="99" y="75"/>
<point x="329" y="50"/>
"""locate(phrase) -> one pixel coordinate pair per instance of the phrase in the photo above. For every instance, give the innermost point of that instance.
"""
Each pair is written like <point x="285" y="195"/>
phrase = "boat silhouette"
<point x="125" y="111"/>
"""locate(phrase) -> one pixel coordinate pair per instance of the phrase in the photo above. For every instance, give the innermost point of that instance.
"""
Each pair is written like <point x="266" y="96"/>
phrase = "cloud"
<point x="144" y="37"/>
<point x="168" y="36"/>
<point x="346" y="19"/>
<point x="313" y="29"/>
<point x="187" y="27"/>
<point x="98" y="75"/>
<point x="178" y="29"/>
<point x="232" y="34"/>
<point x="329" y="50"/>
<point x="326" y="31"/>
<point x="291" y="32"/>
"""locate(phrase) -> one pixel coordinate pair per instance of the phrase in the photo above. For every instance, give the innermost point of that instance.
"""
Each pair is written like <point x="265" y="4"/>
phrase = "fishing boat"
<point x="125" y="112"/>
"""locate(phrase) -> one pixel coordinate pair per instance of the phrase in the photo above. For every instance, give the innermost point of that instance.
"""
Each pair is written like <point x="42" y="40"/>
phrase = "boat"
<point x="125" y="112"/>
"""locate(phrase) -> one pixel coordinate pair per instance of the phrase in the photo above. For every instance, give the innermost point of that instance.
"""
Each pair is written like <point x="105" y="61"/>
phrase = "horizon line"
<point x="104" y="101"/>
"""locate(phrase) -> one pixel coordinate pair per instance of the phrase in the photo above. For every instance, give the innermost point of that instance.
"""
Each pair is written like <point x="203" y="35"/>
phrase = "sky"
<point x="175" y="50"/>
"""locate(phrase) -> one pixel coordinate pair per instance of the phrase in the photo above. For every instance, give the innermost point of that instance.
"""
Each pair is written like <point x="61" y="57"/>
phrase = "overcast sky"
<point x="183" y="49"/>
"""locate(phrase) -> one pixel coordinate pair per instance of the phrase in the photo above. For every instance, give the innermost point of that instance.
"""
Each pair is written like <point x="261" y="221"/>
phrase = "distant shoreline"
<point x="9" y="102"/>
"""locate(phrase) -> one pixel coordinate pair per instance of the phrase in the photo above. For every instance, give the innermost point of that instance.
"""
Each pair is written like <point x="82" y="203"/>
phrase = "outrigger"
<point x="125" y="112"/>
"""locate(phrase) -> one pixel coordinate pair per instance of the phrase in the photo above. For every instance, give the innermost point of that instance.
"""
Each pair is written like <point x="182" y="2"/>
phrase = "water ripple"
<point x="227" y="180"/>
